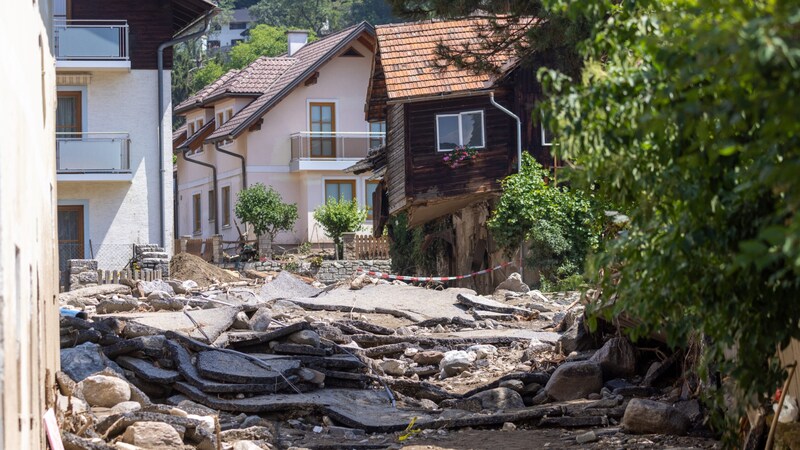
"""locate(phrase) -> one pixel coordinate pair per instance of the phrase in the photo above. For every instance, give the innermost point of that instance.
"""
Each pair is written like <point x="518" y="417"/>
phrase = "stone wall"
<point x="82" y="273"/>
<point x="328" y="272"/>
<point x="152" y="257"/>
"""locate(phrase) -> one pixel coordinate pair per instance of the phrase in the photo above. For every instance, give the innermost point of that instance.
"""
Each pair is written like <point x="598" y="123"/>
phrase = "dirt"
<point x="185" y="266"/>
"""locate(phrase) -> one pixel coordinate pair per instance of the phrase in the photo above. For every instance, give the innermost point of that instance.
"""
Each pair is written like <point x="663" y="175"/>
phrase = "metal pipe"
<point x="519" y="170"/>
<point x="244" y="163"/>
<point x="162" y="112"/>
<point x="213" y="174"/>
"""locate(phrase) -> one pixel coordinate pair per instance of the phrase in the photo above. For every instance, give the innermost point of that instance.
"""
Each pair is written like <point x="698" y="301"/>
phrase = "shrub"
<point x="263" y="208"/>
<point x="338" y="217"/>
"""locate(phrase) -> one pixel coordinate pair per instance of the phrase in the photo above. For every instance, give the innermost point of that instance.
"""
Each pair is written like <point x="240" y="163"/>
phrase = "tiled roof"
<point x="255" y="78"/>
<point x="411" y="66"/>
<point x="195" y="141"/>
<point x="200" y="96"/>
<point x="306" y="60"/>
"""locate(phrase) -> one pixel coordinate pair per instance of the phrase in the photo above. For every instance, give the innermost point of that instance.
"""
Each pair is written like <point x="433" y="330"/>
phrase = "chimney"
<point x="297" y="39"/>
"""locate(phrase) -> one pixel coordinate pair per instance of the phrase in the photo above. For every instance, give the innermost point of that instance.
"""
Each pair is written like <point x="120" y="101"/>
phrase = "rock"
<point x="535" y="347"/>
<point x="644" y="416"/>
<point x="241" y="322"/>
<point x="83" y="360"/>
<point x="125" y="407"/>
<point x="482" y="351"/>
<point x="148" y="287"/>
<point x="587" y="437"/>
<point x="531" y="389"/>
<point x="177" y="287"/>
<point x="246" y="445"/>
<point x="153" y="435"/>
<point x="394" y="367"/>
<point x="455" y="362"/>
<point x="691" y="409"/>
<point x="261" y="319"/>
<point x="106" y="391"/>
<point x="359" y="282"/>
<point x="161" y="301"/>
<point x="617" y="358"/>
<point x="513" y="283"/>
<point x="428" y="357"/>
<point x="514" y="385"/>
<point x="116" y="304"/>
<point x="304" y="337"/>
<point x="499" y="398"/>
<point x="188" y="285"/>
<point x="311" y="376"/>
<point x="574" y="380"/>
<point x="509" y="426"/>
<point x="576" y="338"/>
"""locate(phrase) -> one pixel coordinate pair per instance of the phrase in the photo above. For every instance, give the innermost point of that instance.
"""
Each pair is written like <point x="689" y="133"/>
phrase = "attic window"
<point x="464" y="128"/>
<point x="352" y="52"/>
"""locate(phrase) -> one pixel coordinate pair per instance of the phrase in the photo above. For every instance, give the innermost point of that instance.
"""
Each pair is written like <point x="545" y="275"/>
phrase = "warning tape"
<point x="389" y="276"/>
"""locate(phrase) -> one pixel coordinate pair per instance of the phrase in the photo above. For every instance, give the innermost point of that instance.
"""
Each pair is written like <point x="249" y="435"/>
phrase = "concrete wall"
<point x="344" y="81"/>
<point x="28" y="258"/>
<point x="121" y="213"/>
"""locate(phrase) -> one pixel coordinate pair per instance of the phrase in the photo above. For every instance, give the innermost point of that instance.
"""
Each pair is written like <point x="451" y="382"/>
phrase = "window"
<point x="212" y="206"/>
<point x="323" y="123"/>
<point x="213" y="44"/>
<point x="340" y="189"/>
<point x="236" y="41"/>
<point x="238" y="25"/>
<point x="376" y="127"/>
<point x="547" y="136"/>
<point x="226" y="206"/>
<point x="224" y="116"/>
<point x="369" y="189"/>
<point x="197" y="227"/>
<point x="190" y="129"/>
<point x="465" y="128"/>
<point x="68" y="112"/>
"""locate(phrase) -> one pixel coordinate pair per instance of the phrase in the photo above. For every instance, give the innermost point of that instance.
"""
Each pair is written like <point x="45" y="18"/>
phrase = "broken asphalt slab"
<point x="232" y="368"/>
<point x="488" y="304"/>
<point x="212" y="321"/>
<point x="410" y="302"/>
<point x="286" y="286"/>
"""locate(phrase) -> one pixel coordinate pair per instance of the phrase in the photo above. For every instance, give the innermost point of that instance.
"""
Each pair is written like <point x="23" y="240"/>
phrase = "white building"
<point x="233" y="32"/>
<point x="114" y="182"/>
<point x="293" y="122"/>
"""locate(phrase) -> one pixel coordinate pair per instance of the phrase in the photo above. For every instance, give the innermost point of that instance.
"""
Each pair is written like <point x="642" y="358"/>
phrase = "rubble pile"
<point x="241" y="365"/>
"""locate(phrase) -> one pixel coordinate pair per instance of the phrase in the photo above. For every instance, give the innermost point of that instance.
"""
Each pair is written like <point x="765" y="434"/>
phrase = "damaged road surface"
<point x="253" y="365"/>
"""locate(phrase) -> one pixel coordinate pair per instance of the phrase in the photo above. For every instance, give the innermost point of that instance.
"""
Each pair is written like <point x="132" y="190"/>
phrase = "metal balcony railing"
<point x="96" y="40"/>
<point x="93" y="153"/>
<point x="336" y="146"/>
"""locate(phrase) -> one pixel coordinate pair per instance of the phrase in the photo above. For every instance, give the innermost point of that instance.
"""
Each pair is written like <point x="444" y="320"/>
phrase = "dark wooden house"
<point x="429" y="107"/>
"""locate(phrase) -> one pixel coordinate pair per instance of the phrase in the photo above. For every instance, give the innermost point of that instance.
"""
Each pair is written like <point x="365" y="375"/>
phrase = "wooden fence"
<point x="369" y="247"/>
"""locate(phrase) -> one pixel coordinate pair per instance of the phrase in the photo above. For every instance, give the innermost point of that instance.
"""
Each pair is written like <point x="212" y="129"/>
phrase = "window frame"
<point x="226" y="206"/>
<point x="368" y="197"/>
<point x="77" y="96"/>
<point x="382" y="128"/>
<point x="197" y="208"/>
<point x="351" y="182"/>
<point x="321" y="104"/>
<point x="544" y="137"/>
<point x="460" y="129"/>
<point x="212" y="206"/>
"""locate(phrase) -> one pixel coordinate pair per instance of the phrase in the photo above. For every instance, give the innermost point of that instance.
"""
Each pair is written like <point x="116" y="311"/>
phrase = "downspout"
<point x="162" y="112"/>
<point x="216" y="197"/>
<point x="519" y="170"/>
<point x="244" y="163"/>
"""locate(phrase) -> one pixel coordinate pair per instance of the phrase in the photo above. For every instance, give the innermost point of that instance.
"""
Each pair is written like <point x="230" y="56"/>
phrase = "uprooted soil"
<point x="185" y="266"/>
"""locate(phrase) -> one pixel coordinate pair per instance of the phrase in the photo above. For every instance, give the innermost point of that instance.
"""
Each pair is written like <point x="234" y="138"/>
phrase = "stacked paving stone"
<point x="151" y="256"/>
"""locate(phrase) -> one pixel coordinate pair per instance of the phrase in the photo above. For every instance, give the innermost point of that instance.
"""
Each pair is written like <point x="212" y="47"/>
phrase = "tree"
<point x="687" y="114"/>
<point x="313" y="15"/>
<point x="559" y="224"/>
<point x="205" y="75"/>
<point x="339" y="216"/>
<point x="263" y="208"/>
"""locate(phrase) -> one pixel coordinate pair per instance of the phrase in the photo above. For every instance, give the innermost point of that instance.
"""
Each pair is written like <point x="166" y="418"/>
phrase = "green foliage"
<point x="309" y="15"/>
<point x="264" y="40"/>
<point x="405" y="246"/>
<point x="205" y="75"/>
<point x="559" y="224"/>
<point x="339" y="216"/>
<point x="263" y="208"/>
<point x="687" y="113"/>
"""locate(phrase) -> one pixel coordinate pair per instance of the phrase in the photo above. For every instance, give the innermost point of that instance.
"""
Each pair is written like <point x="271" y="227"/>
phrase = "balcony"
<point x="91" y="44"/>
<point x="331" y="151"/>
<point x="93" y="157"/>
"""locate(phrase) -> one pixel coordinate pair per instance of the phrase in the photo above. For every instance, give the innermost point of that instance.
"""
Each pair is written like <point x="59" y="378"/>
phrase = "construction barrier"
<point x="388" y="276"/>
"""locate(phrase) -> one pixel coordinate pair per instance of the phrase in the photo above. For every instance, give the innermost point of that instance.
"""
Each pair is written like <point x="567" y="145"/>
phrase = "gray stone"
<point x="585" y="438"/>
<point x="246" y="445"/>
<point x="644" y="416"/>
<point x="513" y="283"/>
<point x="105" y="391"/>
<point x="535" y="347"/>
<point x="126" y="407"/>
<point x="394" y="367"/>
<point x="576" y="338"/>
<point x="286" y="285"/>
<point x="304" y="337"/>
<point x="574" y="380"/>
<point x="161" y="301"/>
<point x="83" y="360"/>
<point x="311" y="376"/>
<point x="454" y="362"/>
<point x="153" y="435"/>
<point x="147" y="371"/>
<point x="232" y="368"/>
<point x="691" y="409"/>
<point x="241" y="322"/>
<point x="261" y="319"/>
<point x="514" y="385"/>
<point x="116" y="304"/>
<point x="428" y="357"/>
<point x="617" y="358"/>
<point x="148" y="287"/>
<point x="177" y="287"/>
<point x="499" y="398"/>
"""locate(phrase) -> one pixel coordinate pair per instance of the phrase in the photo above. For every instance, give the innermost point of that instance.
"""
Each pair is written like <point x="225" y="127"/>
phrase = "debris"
<point x="651" y="417"/>
<point x="185" y="266"/>
<point x="513" y="283"/>
<point x="499" y="398"/>
<point x="617" y="358"/>
<point x="455" y="362"/>
<point x="286" y="285"/>
<point x="487" y="304"/>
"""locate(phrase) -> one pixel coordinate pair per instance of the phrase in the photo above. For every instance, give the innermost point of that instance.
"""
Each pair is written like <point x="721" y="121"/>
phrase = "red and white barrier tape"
<point x="389" y="276"/>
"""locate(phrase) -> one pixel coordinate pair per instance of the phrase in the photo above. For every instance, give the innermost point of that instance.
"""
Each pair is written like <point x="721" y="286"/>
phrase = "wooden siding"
<point x="527" y="92"/>
<point x="395" y="158"/>
<point x="428" y="178"/>
<point x="150" y="23"/>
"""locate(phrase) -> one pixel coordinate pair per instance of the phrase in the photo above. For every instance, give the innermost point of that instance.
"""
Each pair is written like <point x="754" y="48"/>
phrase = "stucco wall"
<point x="28" y="255"/>
<point x="120" y="214"/>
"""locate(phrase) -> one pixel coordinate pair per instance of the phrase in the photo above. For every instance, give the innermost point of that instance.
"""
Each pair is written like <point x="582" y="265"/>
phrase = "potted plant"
<point x="460" y="155"/>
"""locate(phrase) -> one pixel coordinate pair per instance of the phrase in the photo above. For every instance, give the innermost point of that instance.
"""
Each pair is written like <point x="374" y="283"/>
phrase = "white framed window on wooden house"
<point x="465" y="128"/>
<point x="547" y="136"/>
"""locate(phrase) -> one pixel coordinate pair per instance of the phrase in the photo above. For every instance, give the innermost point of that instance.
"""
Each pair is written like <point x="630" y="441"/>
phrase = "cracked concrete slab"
<point x="147" y="371"/>
<point x="287" y="286"/>
<point x="488" y="304"/>
<point x="226" y="367"/>
<point x="213" y="321"/>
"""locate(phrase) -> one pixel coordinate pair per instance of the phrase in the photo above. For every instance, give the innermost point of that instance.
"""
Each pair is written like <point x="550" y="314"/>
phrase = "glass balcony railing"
<point x="96" y="40"/>
<point x="336" y="146"/>
<point x="93" y="153"/>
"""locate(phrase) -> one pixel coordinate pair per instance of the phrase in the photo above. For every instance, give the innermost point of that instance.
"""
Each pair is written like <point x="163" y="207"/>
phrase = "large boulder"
<point x="499" y="398"/>
<point x="455" y="361"/>
<point x="105" y="391"/>
<point x="83" y="360"/>
<point x="574" y="380"/>
<point x="513" y="283"/>
<point x="153" y="435"/>
<point x="644" y="416"/>
<point x="116" y="304"/>
<point x="148" y="287"/>
<point x="577" y="338"/>
<point x="617" y="358"/>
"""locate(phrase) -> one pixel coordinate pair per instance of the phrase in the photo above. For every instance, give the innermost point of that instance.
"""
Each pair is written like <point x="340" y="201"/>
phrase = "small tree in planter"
<point x="263" y="208"/>
<point x="338" y="217"/>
